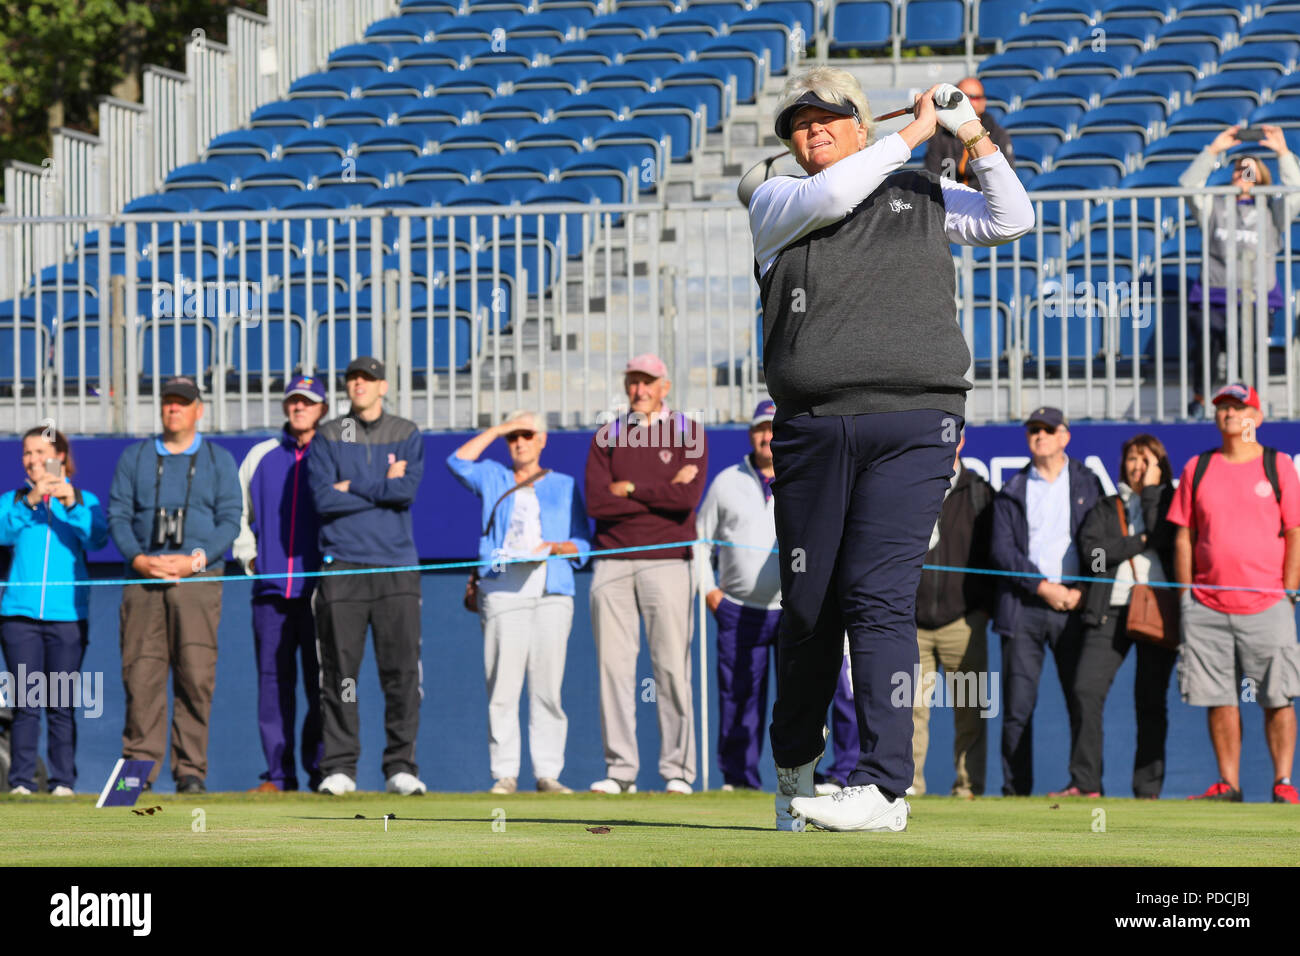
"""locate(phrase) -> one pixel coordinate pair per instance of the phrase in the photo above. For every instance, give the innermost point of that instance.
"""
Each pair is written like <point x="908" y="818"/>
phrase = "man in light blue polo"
<point x="1036" y="520"/>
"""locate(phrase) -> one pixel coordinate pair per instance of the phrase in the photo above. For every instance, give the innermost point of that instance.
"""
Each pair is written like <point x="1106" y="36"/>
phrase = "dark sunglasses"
<point x="1035" y="429"/>
<point x="514" y="436"/>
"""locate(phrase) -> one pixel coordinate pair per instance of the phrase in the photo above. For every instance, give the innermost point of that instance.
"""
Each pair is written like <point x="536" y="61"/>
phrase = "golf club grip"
<point x="948" y="102"/>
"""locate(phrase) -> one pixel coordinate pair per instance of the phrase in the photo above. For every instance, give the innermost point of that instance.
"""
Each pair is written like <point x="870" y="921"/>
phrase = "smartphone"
<point x="54" y="467"/>
<point x="1250" y="135"/>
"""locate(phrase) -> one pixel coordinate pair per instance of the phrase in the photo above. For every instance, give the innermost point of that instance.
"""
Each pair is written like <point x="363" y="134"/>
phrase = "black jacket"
<point x="965" y="526"/>
<point x="1009" y="550"/>
<point x="1102" y="549"/>
<point x="944" y="146"/>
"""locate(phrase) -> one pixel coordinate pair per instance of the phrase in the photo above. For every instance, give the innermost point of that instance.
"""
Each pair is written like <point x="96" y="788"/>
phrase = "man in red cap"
<point x="1238" y="548"/>
<point x="646" y="472"/>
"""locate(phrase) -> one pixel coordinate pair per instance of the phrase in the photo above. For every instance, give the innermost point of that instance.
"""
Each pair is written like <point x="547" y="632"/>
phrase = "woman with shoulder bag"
<point x="1127" y="540"/>
<point x="524" y="602"/>
<point x="43" y="622"/>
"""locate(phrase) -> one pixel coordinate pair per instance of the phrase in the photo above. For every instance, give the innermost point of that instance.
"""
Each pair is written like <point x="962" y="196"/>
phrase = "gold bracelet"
<point x="970" y="143"/>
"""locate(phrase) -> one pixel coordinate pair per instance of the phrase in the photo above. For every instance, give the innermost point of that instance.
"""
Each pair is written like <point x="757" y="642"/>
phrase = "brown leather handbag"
<point x="471" y="585"/>
<point x="1152" y="612"/>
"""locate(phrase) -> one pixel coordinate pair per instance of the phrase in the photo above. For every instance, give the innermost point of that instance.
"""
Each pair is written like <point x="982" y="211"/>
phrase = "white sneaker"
<point x="792" y="782"/>
<point x="677" y="785"/>
<point x="827" y="788"/>
<point x="728" y="788"/>
<point x="21" y="791"/>
<point x="610" y="785"/>
<point x="337" y="784"/>
<point x="405" y="783"/>
<point x="62" y="791"/>
<point x="854" y="808"/>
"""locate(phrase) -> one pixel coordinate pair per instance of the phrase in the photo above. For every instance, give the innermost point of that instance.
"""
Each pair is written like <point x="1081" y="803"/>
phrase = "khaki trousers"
<point x="170" y="626"/>
<point x="623" y="594"/>
<point x="961" y="648"/>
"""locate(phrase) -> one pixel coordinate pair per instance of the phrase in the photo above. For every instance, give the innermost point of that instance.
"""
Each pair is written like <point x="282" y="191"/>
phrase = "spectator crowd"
<point x="1200" y="578"/>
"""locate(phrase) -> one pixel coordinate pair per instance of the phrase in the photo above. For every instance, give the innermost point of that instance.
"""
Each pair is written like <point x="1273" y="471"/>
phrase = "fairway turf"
<point x="707" y="829"/>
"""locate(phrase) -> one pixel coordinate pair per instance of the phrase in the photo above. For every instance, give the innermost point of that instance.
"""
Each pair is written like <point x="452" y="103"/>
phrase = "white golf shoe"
<point x="791" y="784"/>
<point x="337" y="784"/>
<point x="405" y="784"/>
<point x="854" y="808"/>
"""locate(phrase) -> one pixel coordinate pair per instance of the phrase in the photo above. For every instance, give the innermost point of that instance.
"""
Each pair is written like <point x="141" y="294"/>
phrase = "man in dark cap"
<point x="364" y="470"/>
<point x="1036" y="520"/>
<point x="173" y="511"/>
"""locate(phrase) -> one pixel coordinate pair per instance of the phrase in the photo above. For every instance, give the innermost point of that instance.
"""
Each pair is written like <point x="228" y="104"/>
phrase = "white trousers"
<point x="525" y="637"/>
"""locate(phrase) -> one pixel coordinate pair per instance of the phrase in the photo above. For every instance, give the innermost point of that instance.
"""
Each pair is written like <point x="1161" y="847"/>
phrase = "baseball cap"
<point x="765" y="412"/>
<point x="1047" y="415"/>
<point x="1239" y="392"/>
<point x="182" y="386"/>
<point x="648" y="363"/>
<point x="306" y="386"/>
<point x="785" y="120"/>
<point x="366" y="365"/>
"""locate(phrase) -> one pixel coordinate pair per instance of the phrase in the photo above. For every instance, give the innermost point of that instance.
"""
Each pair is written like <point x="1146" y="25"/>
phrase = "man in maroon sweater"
<point x="646" y="473"/>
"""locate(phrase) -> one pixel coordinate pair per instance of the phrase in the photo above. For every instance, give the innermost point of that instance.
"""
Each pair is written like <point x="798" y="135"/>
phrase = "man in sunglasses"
<point x="1036" y="520"/>
<point x="947" y="157"/>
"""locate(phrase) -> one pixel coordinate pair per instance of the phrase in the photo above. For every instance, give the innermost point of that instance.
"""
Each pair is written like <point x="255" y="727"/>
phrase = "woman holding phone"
<point x="50" y="524"/>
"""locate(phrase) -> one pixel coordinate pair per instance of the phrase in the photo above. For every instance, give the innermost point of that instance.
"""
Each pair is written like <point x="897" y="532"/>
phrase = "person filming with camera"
<point x="174" y="510"/>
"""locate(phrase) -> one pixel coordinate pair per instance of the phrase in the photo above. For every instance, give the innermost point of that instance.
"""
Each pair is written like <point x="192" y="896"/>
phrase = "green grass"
<point x="706" y="829"/>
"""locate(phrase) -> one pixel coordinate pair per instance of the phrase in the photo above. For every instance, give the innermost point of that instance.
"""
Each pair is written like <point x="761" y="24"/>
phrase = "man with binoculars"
<point x="174" y="510"/>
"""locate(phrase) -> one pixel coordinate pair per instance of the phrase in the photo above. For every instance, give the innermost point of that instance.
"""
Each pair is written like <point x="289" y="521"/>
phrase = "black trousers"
<point x="1040" y="627"/>
<point x="856" y="499"/>
<point x="1104" y="648"/>
<point x="388" y="602"/>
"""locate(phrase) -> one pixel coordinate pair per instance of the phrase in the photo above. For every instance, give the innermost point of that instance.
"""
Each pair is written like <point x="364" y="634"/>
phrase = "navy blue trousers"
<point x="283" y="630"/>
<point x="1038" y="628"/>
<point x="48" y="647"/>
<point x="856" y="499"/>
<point x="746" y="636"/>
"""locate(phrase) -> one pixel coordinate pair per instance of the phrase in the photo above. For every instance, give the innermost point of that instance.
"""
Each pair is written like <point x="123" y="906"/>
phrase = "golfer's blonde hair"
<point x="833" y="85"/>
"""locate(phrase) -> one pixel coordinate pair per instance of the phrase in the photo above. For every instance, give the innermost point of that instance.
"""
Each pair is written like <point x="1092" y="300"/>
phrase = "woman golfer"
<point x="867" y="364"/>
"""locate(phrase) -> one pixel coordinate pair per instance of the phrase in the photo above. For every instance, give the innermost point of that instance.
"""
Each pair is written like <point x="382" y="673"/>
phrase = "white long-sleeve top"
<point x="785" y="208"/>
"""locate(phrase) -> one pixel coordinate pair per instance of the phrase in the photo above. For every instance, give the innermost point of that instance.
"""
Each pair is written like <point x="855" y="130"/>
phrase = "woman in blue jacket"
<point x="43" y="621"/>
<point x="525" y="602"/>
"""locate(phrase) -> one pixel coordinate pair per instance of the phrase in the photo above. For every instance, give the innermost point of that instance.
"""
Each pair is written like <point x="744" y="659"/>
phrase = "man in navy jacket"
<point x="278" y="536"/>
<point x="1036" y="520"/>
<point x="364" y="470"/>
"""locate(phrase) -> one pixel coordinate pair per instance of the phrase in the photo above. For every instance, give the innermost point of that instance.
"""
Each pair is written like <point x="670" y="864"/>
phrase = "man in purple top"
<point x="278" y="536"/>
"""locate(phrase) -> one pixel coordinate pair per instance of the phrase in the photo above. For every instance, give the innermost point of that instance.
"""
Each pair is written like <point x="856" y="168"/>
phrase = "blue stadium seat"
<point x="161" y="202"/>
<point x="333" y="84"/>
<point x="639" y="22"/>
<point x="209" y="175"/>
<point x="1252" y="84"/>
<point x="934" y="23"/>
<point x="1053" y="120"/>
<point x="298" y="172"/>
<point x="1135" y="32"/>
<point x="428" y="55"/>
<point x="1120" y="150"/>
<point x="649" y="131"/>
<point x="807" y="13"/>
<point x="563" y="24"/>
<point x="1282" y="27"/>
<point x="1036" y="63"/>
<point x="1267" y="55"/>
<point x="1099" y="176"/>
<point x="1078" y="336"/>
<point x="423" y="194"/>
<point x="709" y="20"/>
<point x="748" y="63"/>
<point x="607" y="49"/>
<point x="289" y="113"/>
<point x="574" y="135"/>
<point x="1179" y="147"/>
<point x="1065" y="35"/>
<point x="1210" y="114"/>
<point x="442" y="112"/>
<point x="1193" y="58"/>
<point x="371" y="112"/>
<point x="409" y="81"/>
<point x="639" y="76"/>
<point x="1283" y="113"/>
<point x="1112" y="62"/>
<point x="679" y="112"/>
<point x="675" y="47"/>
<point x="998" y="19"/>
<point x="1239" y="9"/>
<point x="1167" y="90"/>
<point x="1287" y="87"/>
<point x="1113" y="10"/>
<point x="1034" y="151"/>
<point x="1216" y="30"/>
<point x="408" y="28"/>
<point x="1002" y="92"/>
<point x="456" y="165"/>
<point x="274" y="360"/>
<point x="525" y="52"/>
<point x="168" y="334"/>
<point x="538" y="165"/>
<point x="861" y="24"/>
<point x="338" y="141"/>
<point x="1078" y="90"/>
<point x="1144" y="118"/>
<point x="615" y="104"/>
<point x="569" y="77"/>
<point x="1082" y="10"/>
<point x="434" y="7"/>
<point x="473" y="26"/>
<point x="243" y="142"/>
<point x="413" y="138"/>
<point x="535" y="105"/>
<point x="366" y="55"/>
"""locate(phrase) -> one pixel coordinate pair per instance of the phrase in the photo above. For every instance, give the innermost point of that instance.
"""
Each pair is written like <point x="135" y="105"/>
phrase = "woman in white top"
<point x="525" y="601"/>
<point x="1142" y="553"/>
